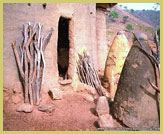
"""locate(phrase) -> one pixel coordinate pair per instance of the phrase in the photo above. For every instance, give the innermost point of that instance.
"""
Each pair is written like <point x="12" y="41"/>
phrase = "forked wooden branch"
<point x="47" y="39"/>
<point x="31" y="62"/>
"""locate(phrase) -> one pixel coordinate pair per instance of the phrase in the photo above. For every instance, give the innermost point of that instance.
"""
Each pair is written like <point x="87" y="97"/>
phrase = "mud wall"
<point x="101" y="38"/>
<point x="82" y="33"/>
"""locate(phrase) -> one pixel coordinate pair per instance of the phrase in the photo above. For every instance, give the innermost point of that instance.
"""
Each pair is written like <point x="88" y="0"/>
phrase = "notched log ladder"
<point x="31" y="62"/>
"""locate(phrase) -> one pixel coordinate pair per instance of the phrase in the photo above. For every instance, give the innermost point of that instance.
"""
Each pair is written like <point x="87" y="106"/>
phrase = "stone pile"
<point x="103" y="111"/>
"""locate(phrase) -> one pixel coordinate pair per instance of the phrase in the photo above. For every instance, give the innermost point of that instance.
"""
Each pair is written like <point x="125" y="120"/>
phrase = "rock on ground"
<point x="102" y="106"/>
<point x="27" y="108"/>
<point x="56" y="93"/>
<point x="105" y="121"/>
<point x="65" y="82"/>
<point x="46" y="108"/>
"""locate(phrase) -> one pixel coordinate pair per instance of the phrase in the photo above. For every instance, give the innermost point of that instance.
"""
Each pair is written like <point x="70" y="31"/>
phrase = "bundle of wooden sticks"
<point x="87" y="74"/>
<point x="30" y="60"/>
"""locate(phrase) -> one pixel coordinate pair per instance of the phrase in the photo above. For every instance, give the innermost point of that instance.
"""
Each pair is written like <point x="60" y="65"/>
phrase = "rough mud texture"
<point x="102" y="46"/>
<point x="82" y="32"/>
<point x="136" y="101"/>
<point x="71" y="113"/>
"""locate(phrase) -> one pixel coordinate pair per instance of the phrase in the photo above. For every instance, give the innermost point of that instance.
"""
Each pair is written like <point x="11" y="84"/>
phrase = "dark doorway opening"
<point x="63" y="47"/>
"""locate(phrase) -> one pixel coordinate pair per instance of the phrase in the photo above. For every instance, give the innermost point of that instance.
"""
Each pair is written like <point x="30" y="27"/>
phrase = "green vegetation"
<point x="113" y="15"/>
<point x="151" y="17"/>
<point x="133" y="39"/>
<point x="125" y="7"/>
<point x="129" y="27"/>
<point x="132" y="10"/>
<point x="157" y="5"/>
<point x="125" y="19"/>
<point x="158" y="33"/>
<point x="148" y="30"/>
<point x="145" y="29"/>
<point x="108" y="32"/>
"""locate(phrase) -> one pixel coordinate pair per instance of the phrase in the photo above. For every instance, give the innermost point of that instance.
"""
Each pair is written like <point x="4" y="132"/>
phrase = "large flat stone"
<point x="46" y="107"/>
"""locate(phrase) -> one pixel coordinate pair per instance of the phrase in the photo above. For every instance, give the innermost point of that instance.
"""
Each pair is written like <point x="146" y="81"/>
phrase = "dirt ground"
<point x="72" y="113"/>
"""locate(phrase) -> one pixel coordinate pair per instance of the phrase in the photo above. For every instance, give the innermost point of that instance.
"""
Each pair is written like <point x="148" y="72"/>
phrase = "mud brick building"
<point x="76" y="26"/>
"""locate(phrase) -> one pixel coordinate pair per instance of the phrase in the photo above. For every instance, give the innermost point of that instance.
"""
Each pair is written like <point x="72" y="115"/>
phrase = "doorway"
<point x="63" y="47"/>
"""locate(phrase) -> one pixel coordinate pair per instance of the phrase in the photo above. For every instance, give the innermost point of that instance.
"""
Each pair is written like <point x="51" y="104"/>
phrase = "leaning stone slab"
<point x="102" y="106"/>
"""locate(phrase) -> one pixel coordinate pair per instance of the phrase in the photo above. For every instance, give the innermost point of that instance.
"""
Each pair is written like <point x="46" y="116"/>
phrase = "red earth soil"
<point x="72" y="113"/>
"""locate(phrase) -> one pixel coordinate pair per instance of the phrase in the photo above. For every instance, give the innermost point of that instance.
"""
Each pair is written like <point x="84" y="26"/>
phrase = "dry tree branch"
<point x="26" y="100"/>
<point x="47" y="39"/>
<point x="18" y="59"/>
<point x="31" y="62"/>
<point x="43" y="60"/>
<point x="154" y="86"/>
<point x="31" y="74"/>
<point x="157" y="46"/>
